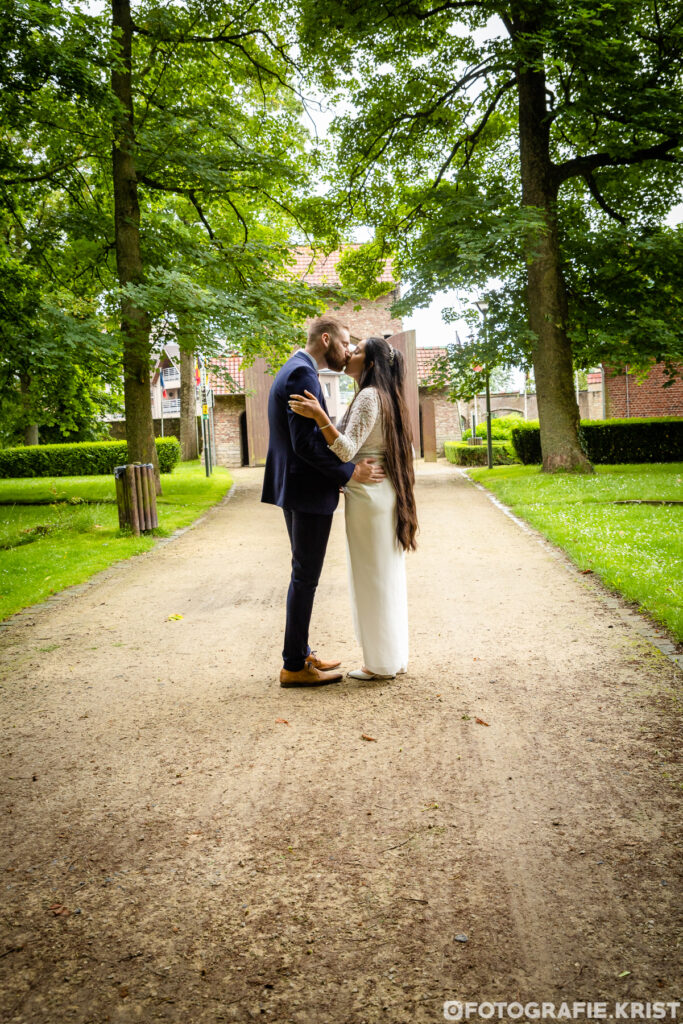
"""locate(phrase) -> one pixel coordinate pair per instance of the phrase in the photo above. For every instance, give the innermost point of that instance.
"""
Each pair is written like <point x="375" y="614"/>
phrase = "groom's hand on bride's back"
<point x="368" y="472"/>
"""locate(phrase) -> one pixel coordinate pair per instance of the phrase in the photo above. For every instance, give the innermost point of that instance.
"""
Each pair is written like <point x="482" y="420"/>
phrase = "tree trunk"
<point x="30" y="429"/>
<point x="558" y="412"/>
<point x="188" y="408"/>
<point x="135" y="322"/>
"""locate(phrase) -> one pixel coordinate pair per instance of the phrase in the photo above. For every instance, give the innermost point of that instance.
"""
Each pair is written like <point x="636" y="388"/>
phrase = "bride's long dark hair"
<point x="385" y="370"/>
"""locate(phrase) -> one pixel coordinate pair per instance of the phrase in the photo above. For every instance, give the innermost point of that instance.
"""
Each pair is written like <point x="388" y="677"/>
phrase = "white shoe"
<point x="358" y="673"/>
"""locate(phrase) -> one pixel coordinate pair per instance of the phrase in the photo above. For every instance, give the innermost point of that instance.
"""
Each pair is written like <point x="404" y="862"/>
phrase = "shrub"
<point x="613" y="441"/>
<point x="475" y="455"/>
<point x="87" y="459"/>
<point x="501" y="428"/>
<point x="526" y="440"/>
<point x="168" y="450"/>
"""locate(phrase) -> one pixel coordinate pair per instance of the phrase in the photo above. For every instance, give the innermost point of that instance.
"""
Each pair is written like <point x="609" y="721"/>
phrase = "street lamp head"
<point x="482" y="305"/>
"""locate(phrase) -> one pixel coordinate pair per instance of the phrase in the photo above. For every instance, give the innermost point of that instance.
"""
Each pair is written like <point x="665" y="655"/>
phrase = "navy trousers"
<point x="308" y="536"/>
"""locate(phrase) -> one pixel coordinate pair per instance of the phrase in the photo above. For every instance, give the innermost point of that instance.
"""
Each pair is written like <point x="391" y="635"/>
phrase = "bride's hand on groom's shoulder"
<point x="307" y="405"/>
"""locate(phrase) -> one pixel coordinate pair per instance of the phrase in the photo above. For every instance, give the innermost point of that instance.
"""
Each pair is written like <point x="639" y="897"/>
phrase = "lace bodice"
<point x="364" y="436"/>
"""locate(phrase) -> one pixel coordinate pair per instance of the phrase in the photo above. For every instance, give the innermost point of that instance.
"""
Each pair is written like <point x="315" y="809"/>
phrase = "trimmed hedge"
<point x="475" y="455"/>
<point x="526" y="440"/>
<point x="613" y="441"/>
<point x="501" y="428"/>
<point x="94" y="458"/>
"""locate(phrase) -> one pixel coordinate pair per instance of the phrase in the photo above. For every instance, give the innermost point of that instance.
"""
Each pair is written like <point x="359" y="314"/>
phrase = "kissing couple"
<point x="371" y="458"/>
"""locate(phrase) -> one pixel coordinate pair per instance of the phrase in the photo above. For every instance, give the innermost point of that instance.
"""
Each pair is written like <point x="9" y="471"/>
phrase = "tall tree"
<point x="472" y="118"/>
<point x="188" y="407"/>
<point x="135" y="320"/>
<point x="173" y="137"/>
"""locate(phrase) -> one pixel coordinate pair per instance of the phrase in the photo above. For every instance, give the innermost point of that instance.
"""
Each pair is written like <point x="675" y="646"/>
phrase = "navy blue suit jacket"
<point x="302" y="474"/>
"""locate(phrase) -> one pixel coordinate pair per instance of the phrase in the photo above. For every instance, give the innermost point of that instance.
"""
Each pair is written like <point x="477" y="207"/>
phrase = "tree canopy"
<point x="218" y="158"/>
<point x="489" y="139"/>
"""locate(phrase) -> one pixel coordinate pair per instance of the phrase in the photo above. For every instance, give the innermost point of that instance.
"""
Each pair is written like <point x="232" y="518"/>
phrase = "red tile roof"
<point x="233" y="366"/>
<point x="308" y="266"/>
<point x="426" y="357"/>
<point x="317" y="268"/>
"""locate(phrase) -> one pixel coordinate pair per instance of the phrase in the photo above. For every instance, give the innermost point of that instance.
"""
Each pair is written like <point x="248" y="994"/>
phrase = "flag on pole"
<point x="161" y="381"/>
<point x="197" y="375"/>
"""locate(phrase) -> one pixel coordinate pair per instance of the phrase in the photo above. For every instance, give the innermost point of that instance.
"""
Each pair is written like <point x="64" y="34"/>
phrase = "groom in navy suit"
<point x="304" y="477"/>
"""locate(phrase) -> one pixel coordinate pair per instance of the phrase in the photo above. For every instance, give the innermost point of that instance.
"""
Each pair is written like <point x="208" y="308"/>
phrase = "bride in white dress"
<point x="381" y="520"/>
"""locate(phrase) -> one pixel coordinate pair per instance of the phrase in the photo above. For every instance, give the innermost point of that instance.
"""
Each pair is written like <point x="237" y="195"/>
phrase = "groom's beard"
<point x="336" y="358"/>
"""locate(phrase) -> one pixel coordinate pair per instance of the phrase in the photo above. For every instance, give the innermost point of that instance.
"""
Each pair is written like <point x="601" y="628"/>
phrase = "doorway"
<point x="244" y="440"/>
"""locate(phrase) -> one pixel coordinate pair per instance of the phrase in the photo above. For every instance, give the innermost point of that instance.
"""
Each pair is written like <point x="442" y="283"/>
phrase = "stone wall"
<point x="226" y="419"/>
<point x="446" y="417"/>
<point x="626" y="398"/>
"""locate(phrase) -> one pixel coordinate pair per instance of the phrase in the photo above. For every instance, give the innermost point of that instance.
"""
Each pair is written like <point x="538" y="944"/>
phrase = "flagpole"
<point x="161" y="381"/>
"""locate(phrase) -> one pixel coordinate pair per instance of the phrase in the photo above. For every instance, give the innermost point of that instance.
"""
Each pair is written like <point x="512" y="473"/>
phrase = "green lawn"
<point x="70" y="529"/>
<point x="636" y="550"/>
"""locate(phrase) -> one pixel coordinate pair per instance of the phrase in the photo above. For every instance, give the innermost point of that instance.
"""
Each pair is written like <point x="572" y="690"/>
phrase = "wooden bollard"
<point x="119" y="477"/>
<point x="136" y="497"/>
<point x="143" y="509"/>
<point x="150" y="484"/>
<point x="133" y="506"/>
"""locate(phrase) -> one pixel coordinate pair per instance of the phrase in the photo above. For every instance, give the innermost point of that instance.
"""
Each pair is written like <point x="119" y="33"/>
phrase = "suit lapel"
<point x="321" y="394"/>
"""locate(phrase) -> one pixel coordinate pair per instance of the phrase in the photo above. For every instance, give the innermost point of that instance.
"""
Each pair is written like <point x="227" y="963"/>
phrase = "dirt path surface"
<point x="220" y="864"/>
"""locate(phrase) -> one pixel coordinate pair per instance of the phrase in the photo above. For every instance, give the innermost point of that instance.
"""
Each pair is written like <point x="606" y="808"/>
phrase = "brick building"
<point x="372" y="316"/>
<point x="450" y="419"/>
<point x="447" y="416"/>
<point x="625" y="397"/>
<point x="231" y="417"/>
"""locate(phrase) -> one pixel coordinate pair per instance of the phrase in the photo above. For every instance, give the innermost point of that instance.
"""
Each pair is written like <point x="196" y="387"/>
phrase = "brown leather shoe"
<point x="324" y="666"/>
<point x="308" y="676"/>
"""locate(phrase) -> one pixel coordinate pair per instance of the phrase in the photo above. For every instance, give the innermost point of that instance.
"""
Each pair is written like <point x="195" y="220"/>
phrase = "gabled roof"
<point x="317" y="268"/>
<point x="309" y="266"/>
<point x="233" y="366"/>
<point x="426" y="357"/>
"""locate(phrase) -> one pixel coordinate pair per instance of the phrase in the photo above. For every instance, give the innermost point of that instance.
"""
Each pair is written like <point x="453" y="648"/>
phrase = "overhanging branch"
<point x="600" y="199"/>
<point x="583" y="165"/>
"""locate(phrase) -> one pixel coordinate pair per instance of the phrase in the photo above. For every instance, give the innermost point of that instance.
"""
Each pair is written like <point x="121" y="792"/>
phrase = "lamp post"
<point x="483" y="307"/>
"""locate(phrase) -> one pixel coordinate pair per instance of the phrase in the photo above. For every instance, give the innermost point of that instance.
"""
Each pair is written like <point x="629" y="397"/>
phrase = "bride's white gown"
<point x="377" y="574"/>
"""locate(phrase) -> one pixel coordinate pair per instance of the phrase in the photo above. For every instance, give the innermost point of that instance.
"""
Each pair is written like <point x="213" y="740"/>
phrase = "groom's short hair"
<point x="326" y="325"/>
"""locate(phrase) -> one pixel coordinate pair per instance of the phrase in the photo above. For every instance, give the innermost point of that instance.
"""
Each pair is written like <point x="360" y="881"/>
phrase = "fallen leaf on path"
<point x="623" y="974"/>
<point x="584" y="572"/>
<point x="364" y="736"/>
<point x="172" y="618"/>
<point x="59" y="910"/>
<point x="480" y="721"/>
<point x="281" y="721"/>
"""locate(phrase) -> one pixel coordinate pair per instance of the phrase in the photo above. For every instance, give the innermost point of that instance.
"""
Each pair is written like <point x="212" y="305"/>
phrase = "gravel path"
<point x="184" y="841"/>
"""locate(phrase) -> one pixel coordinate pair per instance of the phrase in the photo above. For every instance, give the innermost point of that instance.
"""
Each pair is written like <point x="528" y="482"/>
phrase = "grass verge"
<point x="55" y="532"/>
<point x="636" y="550"/>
